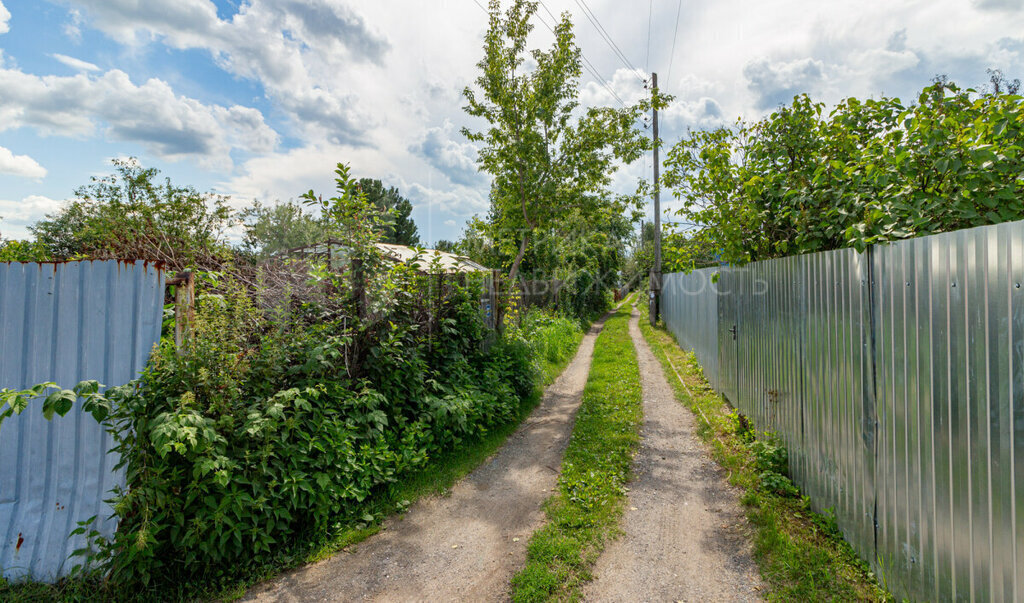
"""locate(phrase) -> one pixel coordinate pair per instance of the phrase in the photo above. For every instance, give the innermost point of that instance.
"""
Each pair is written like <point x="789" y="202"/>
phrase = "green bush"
<point x="870" y="171"/>
<point x="275" y="424"/>
<point x="549" y="341"/>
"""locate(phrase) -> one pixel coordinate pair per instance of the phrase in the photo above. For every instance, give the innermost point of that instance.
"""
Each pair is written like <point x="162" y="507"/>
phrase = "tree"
<point x="400" y="230"/>
<point x="127" y="215"/>
<point x="270" y="229"/>
<point x="351" y="217"/>
<point x="547" y="163"/>
<point x="1000" y="84"/>
<point x="445" y="245"/>
<point x="801" y="181"/>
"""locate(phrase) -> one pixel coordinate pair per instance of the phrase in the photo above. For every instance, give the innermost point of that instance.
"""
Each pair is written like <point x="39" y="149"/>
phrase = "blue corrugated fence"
<point x="65" y="322"/>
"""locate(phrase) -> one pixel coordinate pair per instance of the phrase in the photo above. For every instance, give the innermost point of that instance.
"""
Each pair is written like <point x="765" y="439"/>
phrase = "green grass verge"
<point x="558" y="344"/>
<point x="585" y="511"/>
<point x="801" y="554"/>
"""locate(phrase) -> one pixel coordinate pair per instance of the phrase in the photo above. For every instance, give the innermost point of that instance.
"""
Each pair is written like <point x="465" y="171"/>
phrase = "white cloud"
<point x="296" y="50"/>
<point x="171" y="126"/>
<point x="76" y="64"/>
<point x="16" y="216"/>
<point x="1005" y="5"/>
<point x="461" y="201"/>
<point x="455" y="160"/>
<point x="775" y="83"/>
<point x="20" y="165"/>
<point x="5" y="16"/>
<point x="73" y="27"/>
<point x="358" y="81"/>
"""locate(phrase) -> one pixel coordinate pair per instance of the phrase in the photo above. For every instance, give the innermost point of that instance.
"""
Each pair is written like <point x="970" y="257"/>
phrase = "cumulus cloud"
<point x="455" y="160"/>
<point x="76" y="64"/>
<point x="294" y="49"/>
<point x="5" y="17"/>
<point x="774" y="83"/>
<point x="1004" y="5"/>
<point x="16" y="216"/>
<point x="20" y="165"/>
<point x="460" y="202"/>
<point x="171" y="126"/>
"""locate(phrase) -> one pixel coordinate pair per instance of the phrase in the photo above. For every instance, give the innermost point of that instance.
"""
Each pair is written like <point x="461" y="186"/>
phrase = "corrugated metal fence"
<point x="896" y="379"/>
<point x="689" y="299"/>
<point x="65" y="323"/>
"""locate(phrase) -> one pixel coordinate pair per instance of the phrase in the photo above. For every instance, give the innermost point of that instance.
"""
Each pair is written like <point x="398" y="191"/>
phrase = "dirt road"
<point x="466" y="546"/>
<point x="682" y="539"/>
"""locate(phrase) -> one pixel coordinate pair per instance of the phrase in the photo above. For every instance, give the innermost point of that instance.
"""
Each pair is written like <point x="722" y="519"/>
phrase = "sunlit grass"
<point x="586" y="510"/>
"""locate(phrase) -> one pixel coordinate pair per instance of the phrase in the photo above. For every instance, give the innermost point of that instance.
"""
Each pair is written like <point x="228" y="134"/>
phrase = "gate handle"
<point x="733" y="331"/>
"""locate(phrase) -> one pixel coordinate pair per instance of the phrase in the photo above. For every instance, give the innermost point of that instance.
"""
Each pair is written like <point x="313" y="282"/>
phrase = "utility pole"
<point x="655" y="302"/>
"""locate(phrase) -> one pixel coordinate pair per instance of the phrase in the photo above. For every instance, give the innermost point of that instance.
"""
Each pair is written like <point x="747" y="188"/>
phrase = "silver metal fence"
<point x="65" y="323"/>
<point x="690" y="309"/>
<point x="896" y="379"/>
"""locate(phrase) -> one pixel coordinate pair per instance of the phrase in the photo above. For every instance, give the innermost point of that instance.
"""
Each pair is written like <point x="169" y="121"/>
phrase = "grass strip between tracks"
<point x="585" y="511"/>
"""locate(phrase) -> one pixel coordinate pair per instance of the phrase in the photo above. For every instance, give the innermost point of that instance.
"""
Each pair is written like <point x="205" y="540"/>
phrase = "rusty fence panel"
<point x="65" y="322"/>
<point x="896" y="379"/>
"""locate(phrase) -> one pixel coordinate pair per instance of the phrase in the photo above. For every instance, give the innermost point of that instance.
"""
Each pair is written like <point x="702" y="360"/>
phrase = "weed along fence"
<point x="896" y="379"/>
<point x="65" y="323"/>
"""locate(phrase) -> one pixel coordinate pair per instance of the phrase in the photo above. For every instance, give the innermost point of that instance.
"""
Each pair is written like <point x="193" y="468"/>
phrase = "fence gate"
<point x="65" y="323"/>
<point x="728" y="327"/>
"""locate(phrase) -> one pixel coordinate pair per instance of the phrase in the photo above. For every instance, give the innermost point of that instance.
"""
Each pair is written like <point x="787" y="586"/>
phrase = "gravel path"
<point x="462" y="547"/>
<point x="684" y="529"/>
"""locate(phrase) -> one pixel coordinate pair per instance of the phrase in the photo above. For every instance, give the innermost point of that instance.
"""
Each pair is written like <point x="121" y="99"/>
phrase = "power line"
<point x="589" y="14"/>
<point x="586" y="62"/>
<point x="675" y="34"/>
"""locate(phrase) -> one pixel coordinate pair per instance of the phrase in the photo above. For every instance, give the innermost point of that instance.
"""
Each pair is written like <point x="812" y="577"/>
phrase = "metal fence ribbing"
<point x="694" y="316"/>
<point x="896" y="379"/>
<point x="65" y="323"/>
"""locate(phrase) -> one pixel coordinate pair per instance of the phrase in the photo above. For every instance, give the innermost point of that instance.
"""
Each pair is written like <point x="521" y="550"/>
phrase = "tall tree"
<point x="547" y="163"/>
<point x="401" y="230"/>
<point x="273" y="228"/>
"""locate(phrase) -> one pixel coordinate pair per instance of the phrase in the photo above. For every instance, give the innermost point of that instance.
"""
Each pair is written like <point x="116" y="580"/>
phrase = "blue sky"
<point x="259" y="99"/>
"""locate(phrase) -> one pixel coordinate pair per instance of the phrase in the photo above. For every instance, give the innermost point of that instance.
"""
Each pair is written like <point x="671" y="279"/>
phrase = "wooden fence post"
<point x="184" y="307"/>
<point x="496" y="300"/>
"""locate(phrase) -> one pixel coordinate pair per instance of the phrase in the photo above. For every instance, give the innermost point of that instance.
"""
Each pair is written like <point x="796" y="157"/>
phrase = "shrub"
<point x="275" y="424"/>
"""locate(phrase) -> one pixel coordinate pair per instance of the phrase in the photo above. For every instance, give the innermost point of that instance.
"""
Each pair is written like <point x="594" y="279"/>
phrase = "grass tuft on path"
<point x="801" y="554"/>
<point x="585" y="511"/>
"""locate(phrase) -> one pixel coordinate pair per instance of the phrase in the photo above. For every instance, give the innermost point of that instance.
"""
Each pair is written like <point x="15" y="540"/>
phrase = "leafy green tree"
<point x="800" y="181"/>
<point x="401" y="229"/>
<point x="550" y="159"/>
<point x="22" y="251"/>
<point x="128" y="215"/>
<point x="351" y="216"/>
<point x="445" y="245"/>
<point x="270" y="229"/>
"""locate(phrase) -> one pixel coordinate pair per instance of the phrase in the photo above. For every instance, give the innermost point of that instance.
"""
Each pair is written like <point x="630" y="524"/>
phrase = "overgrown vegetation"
<point x="801" y="554"/>
<point x="280" y="432"/>
<point x="131" y="215"/>
<point x="585" y="511"/>
<point x="869" y="171"/>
